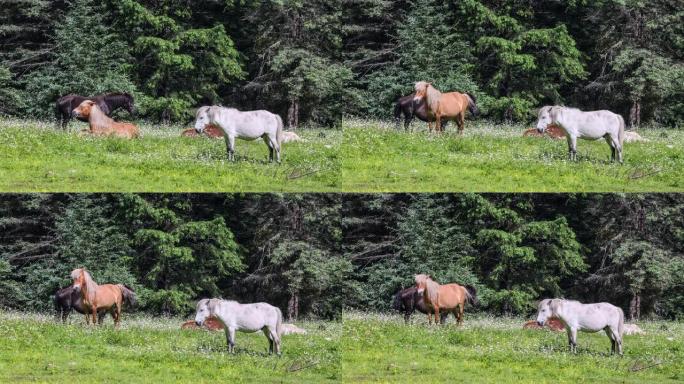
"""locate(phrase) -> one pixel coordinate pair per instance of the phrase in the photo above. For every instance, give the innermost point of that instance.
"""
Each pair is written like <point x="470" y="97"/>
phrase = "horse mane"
<point x="431" y="287"/>
<point x="98" y="118"/>
<point x="90" y="284"/>
<point x="433" y="97"/>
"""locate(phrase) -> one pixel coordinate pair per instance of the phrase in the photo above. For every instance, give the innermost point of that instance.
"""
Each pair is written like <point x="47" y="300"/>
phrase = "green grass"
<point x="376" y="158"/>
<point x="34" y="157"/>
<point x="155" y="350"/>
<point x="380" y="348"/>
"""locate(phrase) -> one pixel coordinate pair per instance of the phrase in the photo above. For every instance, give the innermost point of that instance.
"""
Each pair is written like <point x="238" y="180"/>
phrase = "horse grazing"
<point x="445" y="106"/>
<point x="101" y="124"/>
<point x="450" y="298"/>
<point x="108" y="103"/>
<point x="249" y="125"/>
<point x="585" y="317"/>
<point x="585" y="125"/>
<point x="409" y="108"/>
<point x="408" y="301"/>
<point x="106" y="297"/>
<point x="244" y="318"/>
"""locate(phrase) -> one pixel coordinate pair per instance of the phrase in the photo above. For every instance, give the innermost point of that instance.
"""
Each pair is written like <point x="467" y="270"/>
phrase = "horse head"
<point x="84" y="110"/>
<point x="546" y="118"/>
<point x="547" y="308"/>
<point x="203" y="118"/>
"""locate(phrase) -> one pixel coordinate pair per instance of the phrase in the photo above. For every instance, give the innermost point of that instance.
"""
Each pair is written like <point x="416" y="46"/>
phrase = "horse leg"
<point x="616" y="148"/>
<point x="460" y="120"/>
<point x="573" y="337"/>
<point x="460" y="313"/>
<point x="230" y="146"/>
<point x="267" y="140"/>
<point x="436" y="315"/>
<point x="230" y="337"/>
<point x="438" y="124"/>
<point x="572" y="147"/>
<point x="407" y="317"/>
<point x="276" y="148"/>
<point x="267" y="333"/>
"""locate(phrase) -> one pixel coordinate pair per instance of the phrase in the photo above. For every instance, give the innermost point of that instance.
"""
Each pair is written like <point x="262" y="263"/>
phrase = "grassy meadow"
<point x="35" y="157"/>
<point x="34" y="348"/>
<point x="488" y="158"/>
<point x="381" y="348"/>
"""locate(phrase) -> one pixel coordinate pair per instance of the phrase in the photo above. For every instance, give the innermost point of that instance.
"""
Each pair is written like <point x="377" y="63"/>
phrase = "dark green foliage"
<point x="520" y="248"/>
<point x="86" y="58"/>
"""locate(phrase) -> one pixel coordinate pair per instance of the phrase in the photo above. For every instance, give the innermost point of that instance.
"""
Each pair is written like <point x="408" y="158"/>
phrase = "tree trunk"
<point x="635" y="114"/>
<point x="293" y="308"/>
<point x="635" y="307"/>
<point x="293" y="115"/>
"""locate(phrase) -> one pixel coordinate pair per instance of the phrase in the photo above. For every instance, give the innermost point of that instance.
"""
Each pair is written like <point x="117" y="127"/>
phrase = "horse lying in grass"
<point x="448" y="298"/>
<point x="210" y="131"/>
<point x="552" y="131"/>
<point x="552" y="323"/>
<point x="101" y="124"/>
<point x="211" y="323"/>
<point x="108" y="103"/>
<point x="585" y="317"/>
<point x="408" y="301"/>
<point x="244" y="318"/>
<point x="69" y="298"/>
<point x="105" y="297"/>
<point x="445" y="106"/>
<point x="249" y="125"/>
<point x="585" y="125"/>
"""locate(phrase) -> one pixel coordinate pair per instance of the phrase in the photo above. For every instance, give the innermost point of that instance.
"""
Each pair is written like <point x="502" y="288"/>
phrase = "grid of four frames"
<point x="341" y="191"/>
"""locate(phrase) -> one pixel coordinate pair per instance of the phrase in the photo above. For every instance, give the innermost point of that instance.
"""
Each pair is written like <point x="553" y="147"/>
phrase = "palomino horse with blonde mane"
<point x="101" y="124"/>
<point x="105" y="297"/>
<point x="445" y="106"/>
<point x="449" y="298"/>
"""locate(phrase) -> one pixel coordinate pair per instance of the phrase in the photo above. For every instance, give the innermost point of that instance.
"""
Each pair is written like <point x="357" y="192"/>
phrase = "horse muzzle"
<point x="540" y="323"/>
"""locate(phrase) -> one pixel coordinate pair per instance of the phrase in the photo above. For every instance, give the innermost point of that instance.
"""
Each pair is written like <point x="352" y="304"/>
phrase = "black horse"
<point x="108" y="103"/>
<point x="408" y="301"/>
<point x="410" y="109"/>
<point x="69" y="298"/>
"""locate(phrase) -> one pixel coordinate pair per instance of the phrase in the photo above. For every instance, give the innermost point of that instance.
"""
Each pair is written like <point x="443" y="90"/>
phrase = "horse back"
<point x="453" y="103"/>
<point x="109" y="294"/>
<point x="451" y="295"/>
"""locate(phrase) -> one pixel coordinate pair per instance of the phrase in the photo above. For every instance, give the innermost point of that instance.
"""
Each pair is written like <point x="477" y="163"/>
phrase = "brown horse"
<point x="108" y="103"/>
<point x="106" y="297"/>
<point x="101" y="124"/>
<point x="449" y="298"/>
<point x="211" y="131"/>
<point x="445" y="106"/>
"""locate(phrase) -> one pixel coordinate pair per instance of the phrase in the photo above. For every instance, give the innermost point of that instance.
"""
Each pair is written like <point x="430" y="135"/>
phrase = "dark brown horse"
<point x="408" y="301"/>
<point x="410" y="109"/>
<point x="69" y="298"/>
<point x="108" y="103"/>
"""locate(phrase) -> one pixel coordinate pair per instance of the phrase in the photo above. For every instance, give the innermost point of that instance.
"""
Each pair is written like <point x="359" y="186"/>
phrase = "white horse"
<point x="244" y="318"/>
<point x="585" y="317"/>
<point x="585" y="125"/>
<point x="248" y="125"/>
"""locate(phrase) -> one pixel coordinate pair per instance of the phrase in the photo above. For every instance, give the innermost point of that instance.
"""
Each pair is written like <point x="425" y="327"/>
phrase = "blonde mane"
<point x="90" y="284"/>
<point x="431" y="287"/>
<point x="98" y="119"/>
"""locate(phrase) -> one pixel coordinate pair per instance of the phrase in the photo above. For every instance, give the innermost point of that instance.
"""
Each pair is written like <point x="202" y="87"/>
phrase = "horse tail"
<point x="279" y="323"/>
<point x="621" y="131"/>
<point x="621" y="322"/>
<point x="279" y="130"/>
<point x="472" y="105"/>
<point x="129" y="297"/>
<point x="471" y="295"/>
